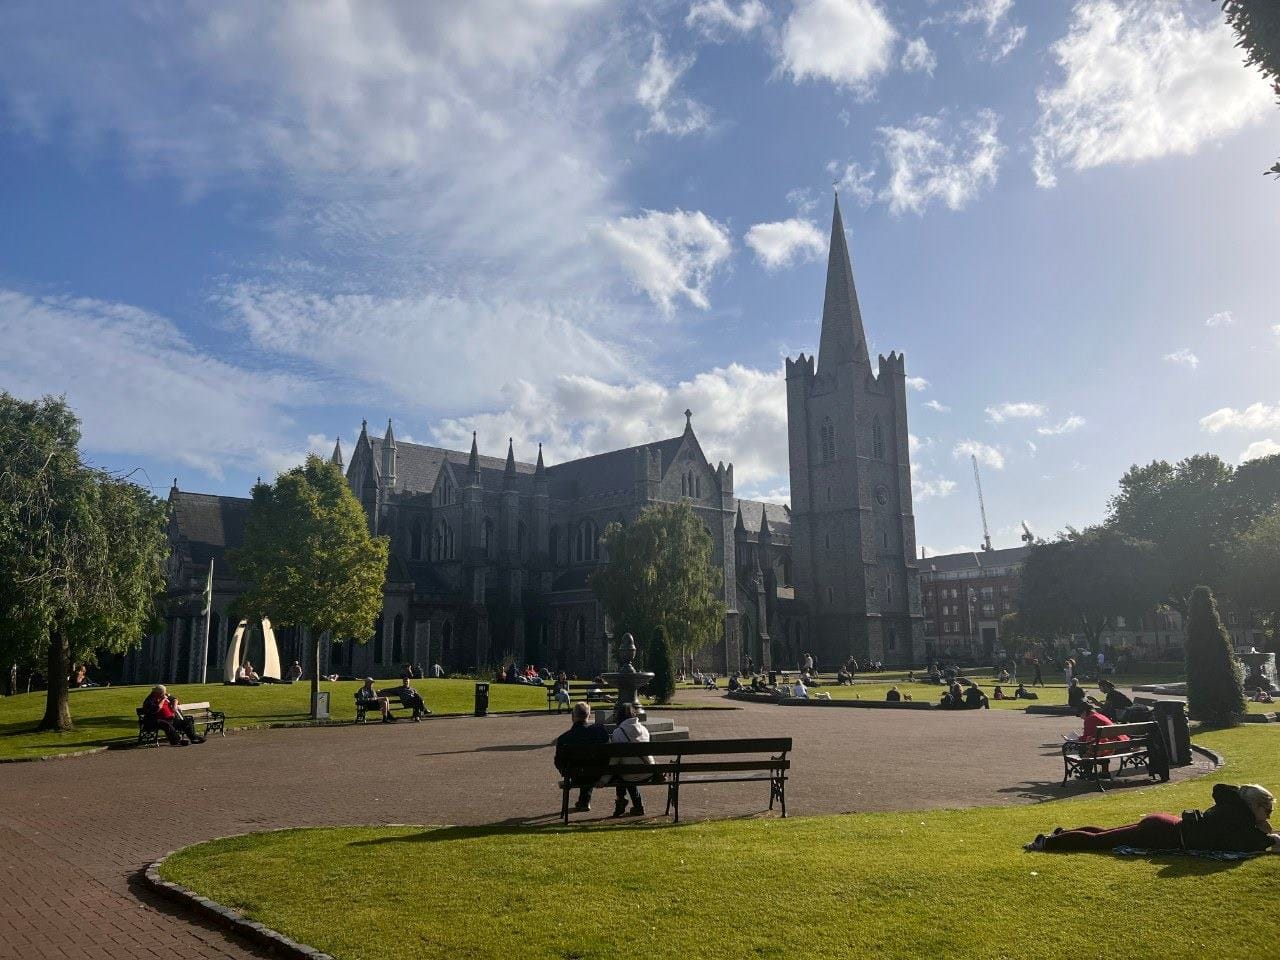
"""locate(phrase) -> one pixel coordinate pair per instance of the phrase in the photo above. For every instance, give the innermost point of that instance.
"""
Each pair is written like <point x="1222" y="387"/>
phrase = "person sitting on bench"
<point x="630" y="730"/>
<point x="369" y="697"/>
<point x="1238" y="822"/>
<point x="160" y="712"/>
<point x="412" y="698"/>
<point x="583" y="731"/>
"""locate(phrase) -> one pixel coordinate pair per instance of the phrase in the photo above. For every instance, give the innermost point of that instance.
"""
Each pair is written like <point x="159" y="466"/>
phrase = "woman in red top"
<point x="160" y="711"/>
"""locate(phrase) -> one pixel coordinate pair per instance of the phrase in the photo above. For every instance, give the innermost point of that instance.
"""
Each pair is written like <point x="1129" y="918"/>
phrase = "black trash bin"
<point x="1171" y="716"/>
<point x="773" y="678"/>
<point x="482" y="699"/>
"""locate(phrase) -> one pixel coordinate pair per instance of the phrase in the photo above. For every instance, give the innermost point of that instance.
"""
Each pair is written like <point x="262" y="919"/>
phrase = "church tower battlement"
<point x="853" y="527"/>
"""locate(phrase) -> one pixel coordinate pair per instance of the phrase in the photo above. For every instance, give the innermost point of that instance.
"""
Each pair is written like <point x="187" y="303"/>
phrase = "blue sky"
<point x="230" y="231"/>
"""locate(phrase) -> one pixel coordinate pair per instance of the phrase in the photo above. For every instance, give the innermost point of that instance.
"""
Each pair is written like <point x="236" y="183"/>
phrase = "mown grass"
<point x="106" y="715"/>
<point x="944" y="883"/>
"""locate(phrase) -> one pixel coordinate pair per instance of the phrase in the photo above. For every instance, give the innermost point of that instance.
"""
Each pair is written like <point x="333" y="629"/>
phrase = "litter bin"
<point x="482" y="699"/>
<point x="1171" y="716"/>
<point x="321" y="706"/>
<point x="773" y="678"/>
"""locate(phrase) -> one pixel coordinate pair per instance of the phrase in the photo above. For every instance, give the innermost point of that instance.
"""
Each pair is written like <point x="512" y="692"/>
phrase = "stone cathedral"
<point x="490" y="556"/>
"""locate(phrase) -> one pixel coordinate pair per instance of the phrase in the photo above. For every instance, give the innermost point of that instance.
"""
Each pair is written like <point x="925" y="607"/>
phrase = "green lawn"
<point x="952" y="884"/>
<point x="106" y="715"/>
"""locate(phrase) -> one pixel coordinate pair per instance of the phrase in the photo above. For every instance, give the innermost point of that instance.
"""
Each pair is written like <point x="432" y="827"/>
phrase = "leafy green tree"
<point x="1083" y="581"/>
<point x="1253" y="573"/>
<point x="1257" y="25"/>
<point x="660" y="577"/>
<point x="81" y="551"/>
<point x="663" y="686"/>
<point x="1215" y="692"/>
<point x="310" y="558"/>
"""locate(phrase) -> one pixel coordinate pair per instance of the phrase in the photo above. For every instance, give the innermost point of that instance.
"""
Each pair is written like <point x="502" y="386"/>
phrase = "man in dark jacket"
<point x="1116" y="703"/>
<point x="583" y="731"/>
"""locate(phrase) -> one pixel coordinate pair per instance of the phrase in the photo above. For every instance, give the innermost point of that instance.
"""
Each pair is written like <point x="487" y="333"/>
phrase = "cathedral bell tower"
<point x="852" y="523"/>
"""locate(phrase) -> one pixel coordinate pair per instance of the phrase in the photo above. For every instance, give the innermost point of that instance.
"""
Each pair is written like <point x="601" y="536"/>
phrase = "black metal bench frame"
<point x="679" y="764"/>
<point x="213" y="720"/>
<point x="589" y="693"/>
<point x="1084" y="759"/>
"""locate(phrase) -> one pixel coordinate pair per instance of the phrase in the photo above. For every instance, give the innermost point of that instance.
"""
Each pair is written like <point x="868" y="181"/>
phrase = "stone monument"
<point x="1259" y="671"/>
<point x="627" y="679"/>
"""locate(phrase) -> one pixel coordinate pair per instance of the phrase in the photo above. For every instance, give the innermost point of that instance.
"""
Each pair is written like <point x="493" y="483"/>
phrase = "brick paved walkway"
<point x="75" y="833"/>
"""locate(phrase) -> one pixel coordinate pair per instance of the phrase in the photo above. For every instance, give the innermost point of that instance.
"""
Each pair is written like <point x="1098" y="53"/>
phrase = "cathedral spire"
<point x="540" y="470"/>
<point x="473" y="462"/>
<point x="336" y="459"/>
<point x="843" y="338"/>
<point x="509" y="474"/>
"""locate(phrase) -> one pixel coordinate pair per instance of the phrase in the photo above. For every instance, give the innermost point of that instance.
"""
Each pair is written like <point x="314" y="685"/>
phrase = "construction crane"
<point x="982" y="506"/>
<point x="1027" y="536"/>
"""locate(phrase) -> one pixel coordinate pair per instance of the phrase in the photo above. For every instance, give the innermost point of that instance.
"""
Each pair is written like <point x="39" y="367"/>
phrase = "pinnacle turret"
<point x="473" y="462"/>
<point x="336" y="459"/>
<point x="509" y="474"/>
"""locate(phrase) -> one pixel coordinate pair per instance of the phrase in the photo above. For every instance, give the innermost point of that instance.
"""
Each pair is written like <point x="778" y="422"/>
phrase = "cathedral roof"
<point x="418" y="466"/>
<point x="208" y="524"/>
<point x="606" y="472"/>
<point x="779" y="517"/>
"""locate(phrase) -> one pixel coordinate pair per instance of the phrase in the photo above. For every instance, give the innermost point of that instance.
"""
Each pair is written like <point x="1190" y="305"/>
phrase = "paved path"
<point x="75" y="833"/>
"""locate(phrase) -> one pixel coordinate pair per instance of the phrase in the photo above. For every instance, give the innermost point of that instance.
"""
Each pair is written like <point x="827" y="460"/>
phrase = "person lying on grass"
<point x="1238" y="822"/>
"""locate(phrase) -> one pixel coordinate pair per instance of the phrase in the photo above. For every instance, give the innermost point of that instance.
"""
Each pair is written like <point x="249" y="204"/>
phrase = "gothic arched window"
<point x="877" y="440"/>
<point x="442" y="545"/>
<point x="415" y="541"/>
<point x="828" y="439"/>
<point x="586" y="547"/>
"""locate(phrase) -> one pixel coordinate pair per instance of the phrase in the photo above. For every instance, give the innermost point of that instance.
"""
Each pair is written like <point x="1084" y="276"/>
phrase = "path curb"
<point x="56" y="756"/>
<point x="232" y="920"/>
<point x="1213" y="756"/>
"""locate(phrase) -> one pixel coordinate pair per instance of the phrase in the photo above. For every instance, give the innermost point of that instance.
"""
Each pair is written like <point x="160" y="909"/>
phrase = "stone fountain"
<point x="1260" y="670"/>
<point x="627" y="679"/>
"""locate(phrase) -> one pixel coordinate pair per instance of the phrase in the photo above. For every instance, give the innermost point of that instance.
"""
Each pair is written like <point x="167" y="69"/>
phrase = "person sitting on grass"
<point x="843" y="677"/>
<point x="1238" y="822"/>
<point x="999" y="694"/>
<point x="582" y="731"/>
<point x="246" y="676"/>
<point x="413" y="699"/>
<point x="630" y="730"/>
<point x="160" y="712"/>
<point x="799" y="691"/>
<point x="975" y="699"/>
<point x="1022" y="693"/>
<point x="1075" y="694"/>
<point x="734" y="683"/>
<point x="893" y="695"/>
<point x="1262" y="696"/>
<point x="369" y="697"/>
<point x="295" y="672"/>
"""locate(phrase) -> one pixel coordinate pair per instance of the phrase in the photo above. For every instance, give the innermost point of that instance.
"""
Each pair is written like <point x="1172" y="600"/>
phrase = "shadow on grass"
<point x="547" y="823"/>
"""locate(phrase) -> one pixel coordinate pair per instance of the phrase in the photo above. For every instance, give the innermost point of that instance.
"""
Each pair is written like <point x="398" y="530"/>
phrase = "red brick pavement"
<point x="75" y="833"/>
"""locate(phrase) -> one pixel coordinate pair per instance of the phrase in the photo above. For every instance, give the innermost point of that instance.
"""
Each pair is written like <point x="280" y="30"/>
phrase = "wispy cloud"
<point x="1222" y="318"/>
<point x="669" y="112"/>
<point x="718" y="19"/>
<point x="1069" y="425"/>
<point x="786" y="242"/>
<point x="918" y="58"/>
<point x="937" y="407"/>
<point x="1259" y="449"/>
<point x="986" y="454"/>
<point x="1257" y="416"/>
<point x="935" y="160"/>
<point x="1020" y="410"/>
<point x="917" y="383"/>
<point x="1183" y="358"/>
<point x="670" y="255"/>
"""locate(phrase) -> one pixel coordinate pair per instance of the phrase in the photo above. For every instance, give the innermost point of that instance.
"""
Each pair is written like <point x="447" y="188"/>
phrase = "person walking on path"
<point x="1038" y="679"/>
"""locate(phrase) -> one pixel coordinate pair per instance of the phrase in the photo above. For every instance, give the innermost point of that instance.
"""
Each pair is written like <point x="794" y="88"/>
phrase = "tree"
<point x="1084" y="580"/>
<point x="1257" y="25"/>
<point x="81" y="551"/>
<point x="310" y="558"/>
<point x="660" y="577"/>
<point x="1253" y="572"/>
<point x="663" y="685"/>
<point x="1215" y="693"/>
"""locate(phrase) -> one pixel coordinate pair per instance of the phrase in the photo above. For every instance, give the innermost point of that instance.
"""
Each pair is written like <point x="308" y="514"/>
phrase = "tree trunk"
<point x="315" y="673"/>
<point x="57" y="713"/>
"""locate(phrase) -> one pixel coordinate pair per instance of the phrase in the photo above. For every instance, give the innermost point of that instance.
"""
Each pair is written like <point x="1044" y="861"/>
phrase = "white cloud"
<point x="936" y="406"/>
<point x="142" y="388"/>
<point x="786" y="242"/>
<point x="670" y="255"/>
<point x="931" y="489"/>
<point x="1257" y="416"/>
<point x="1031" y="447"/>
<point x="803" y="200"/>
<point x="668" y="112"/>
<point x="918" y="58"/>
<point x="917" y="444"/>
<point x="1260" y="448"/>
<point x="385" y="341"/>
<point x="718" y="19"/>
<point x="1222" y="318"/>
<point x="1069" y="425"/>
<point x="1183" y="358"/>
<point x="854" y="181"/>
<point x="848" y="42"/>
<point x="1014" y="411"/>
<point x="1141" y="79"/>
<point x="739" y="414"/>
<point x="930" y="160"/>
<point x="1003" y="36"/>
<point x="917" y="383"/>
<point x="986" y="454"/>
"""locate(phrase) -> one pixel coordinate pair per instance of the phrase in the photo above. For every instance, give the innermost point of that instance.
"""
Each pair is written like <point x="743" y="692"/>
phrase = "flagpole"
<point x="208" y="612"/>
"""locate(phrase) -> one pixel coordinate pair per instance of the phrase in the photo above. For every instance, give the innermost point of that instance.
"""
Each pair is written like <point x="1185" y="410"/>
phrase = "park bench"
<point x="681" y="763"/>
<point x="393" y="703"/>
<point x="1144" y="750"/>
<point x="590" y="692"/>
<point x="202" y="713"/>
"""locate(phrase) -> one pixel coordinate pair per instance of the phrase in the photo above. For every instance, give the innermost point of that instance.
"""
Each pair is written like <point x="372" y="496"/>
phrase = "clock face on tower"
<point x="882" y="494"/>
